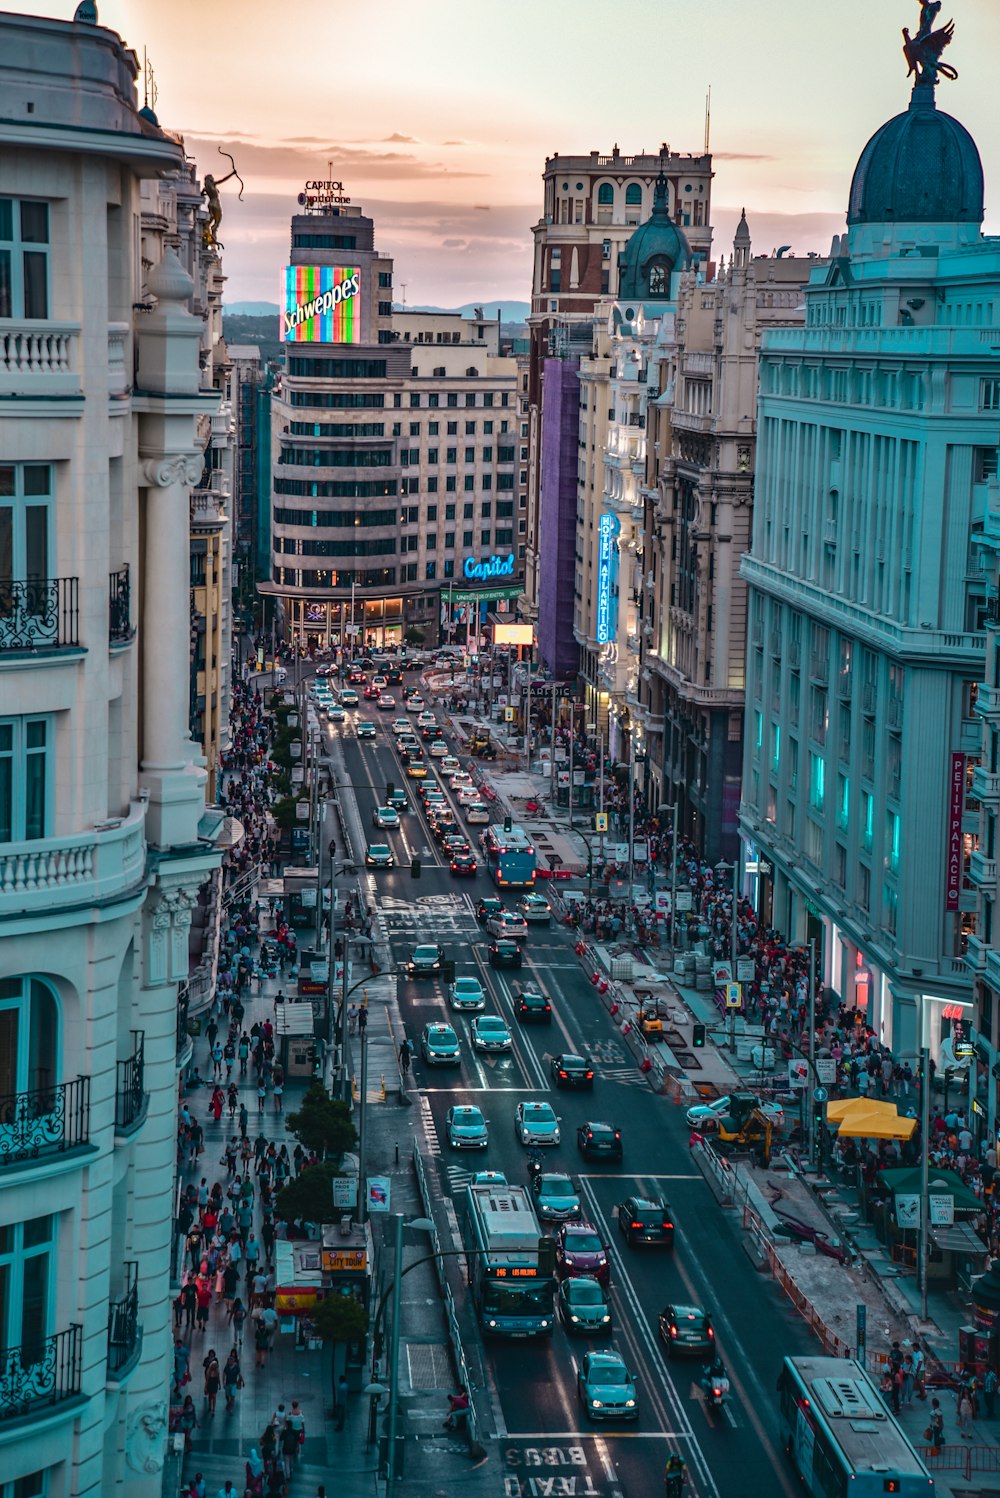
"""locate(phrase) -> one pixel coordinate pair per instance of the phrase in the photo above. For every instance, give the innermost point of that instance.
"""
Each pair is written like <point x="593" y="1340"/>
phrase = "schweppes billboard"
<point x="321" y="304"/>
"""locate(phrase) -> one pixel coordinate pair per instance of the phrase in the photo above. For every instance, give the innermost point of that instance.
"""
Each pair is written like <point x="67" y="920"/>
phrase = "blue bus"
<point x="510" y="857"/>
<point x="513" y="1293"/>
<point x="841" y="1436"/>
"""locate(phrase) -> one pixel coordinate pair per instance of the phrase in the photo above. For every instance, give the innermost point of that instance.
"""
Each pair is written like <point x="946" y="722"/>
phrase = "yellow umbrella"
<point x="844" y="1107"/>
<point x="876" y="1125"/>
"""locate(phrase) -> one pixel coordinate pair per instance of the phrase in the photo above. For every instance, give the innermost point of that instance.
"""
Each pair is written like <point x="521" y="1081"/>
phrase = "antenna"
<point x="708" y="118"/>
<point x="150" y="92"/>
<point x="402" y="287"/>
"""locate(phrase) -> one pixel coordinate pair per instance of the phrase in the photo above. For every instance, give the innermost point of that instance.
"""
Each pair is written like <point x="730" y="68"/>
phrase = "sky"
<point x="438" y="120"/>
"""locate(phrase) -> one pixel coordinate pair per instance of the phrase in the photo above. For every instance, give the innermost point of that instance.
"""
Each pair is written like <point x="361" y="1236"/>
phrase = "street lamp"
<point x="722" y="869"/>
<point x="673" y="875"/>
<point x="424" y="1225"/>
<point x="637" y="755"/>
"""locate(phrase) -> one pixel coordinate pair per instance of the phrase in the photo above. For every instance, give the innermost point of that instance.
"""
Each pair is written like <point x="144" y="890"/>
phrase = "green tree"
<point x="323" y="1124"/>
<point x="309" y="1198"/>
<point x="414" y="636"/>
<point x="340" y="1319"/>
<point x="284" y="814"/>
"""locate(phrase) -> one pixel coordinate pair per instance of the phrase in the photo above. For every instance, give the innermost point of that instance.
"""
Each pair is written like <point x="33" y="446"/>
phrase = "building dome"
<point x="657" y="248"/>
<point x="922" y="167"/>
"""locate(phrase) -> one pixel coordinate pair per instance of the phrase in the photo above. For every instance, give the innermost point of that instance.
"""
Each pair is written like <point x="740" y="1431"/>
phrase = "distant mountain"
<point x="250" y="309"/>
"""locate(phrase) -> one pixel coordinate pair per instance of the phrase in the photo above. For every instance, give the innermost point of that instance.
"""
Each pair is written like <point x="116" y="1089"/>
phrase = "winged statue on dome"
<point x="923" y="51"/>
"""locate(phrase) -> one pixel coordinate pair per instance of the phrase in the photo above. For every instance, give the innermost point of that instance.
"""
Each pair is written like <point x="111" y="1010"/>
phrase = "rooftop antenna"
<point x="150" y="92"/>
<point x="708" y="118"/>
<point x="402" y="287"/>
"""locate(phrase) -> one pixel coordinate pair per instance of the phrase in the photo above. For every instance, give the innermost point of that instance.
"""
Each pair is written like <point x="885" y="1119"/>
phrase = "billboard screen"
<point x="321" y="304"/>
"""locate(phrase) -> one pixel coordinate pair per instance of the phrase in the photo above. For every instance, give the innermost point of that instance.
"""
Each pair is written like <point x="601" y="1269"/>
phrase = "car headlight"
<point x="544" y="1321"/>
<point x="630" y="1404"/>
<point x="491" y="1323"/>
<point x="595" y="1404"/>
<point x="575" y="1320"/>
<point x="605" y="1319"/>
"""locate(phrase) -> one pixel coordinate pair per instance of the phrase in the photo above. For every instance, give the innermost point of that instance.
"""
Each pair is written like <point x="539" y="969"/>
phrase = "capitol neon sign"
<point x="494" y="567"/>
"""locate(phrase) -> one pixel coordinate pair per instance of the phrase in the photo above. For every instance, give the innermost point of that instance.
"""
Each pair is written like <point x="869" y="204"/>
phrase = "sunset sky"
<point x="439" y="117"/>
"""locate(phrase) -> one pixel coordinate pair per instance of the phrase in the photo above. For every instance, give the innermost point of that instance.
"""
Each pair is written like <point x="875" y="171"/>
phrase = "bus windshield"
<point x="525" y="1299"/>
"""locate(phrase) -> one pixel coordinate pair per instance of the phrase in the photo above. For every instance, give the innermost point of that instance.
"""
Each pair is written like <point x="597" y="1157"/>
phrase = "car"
<point x="643" y="1219"/>
<point x="467" y="993"/>
<point x="385" y="816"/>
<point x="439" y="1045"/>
<point x="461" y="781"/>
<point x="407" y="741"/>
<point x="706" y="1114"/>
<point x="583" y="1307"/>
<point x="464" y="866"/>
<point x="397" y="798"/>
<point x="438" y="749"/>
<point x="466" y="1128"/>
<point x="567" y="1070"/>
<point x="366" y="730"/>
<point x="599" y="1141"/>
<point x="379" y="856"/>
<point x="334" y="713"/>
<point x="356" y="676"/>
<point x="490" y="1034"/>
<point x="370" y="693"/>
<point x="431" y="794"/>
<point x="425" y="961"/>
<point x="408" y="751"/>
<point x="432" y="732"/>
<point x="400" y="726"/>
<point x="504" y="953"/>
<point x="581" y="1250"/>
<point x="385" y="703"/>
<point x="605" y="1387"/>
<point x="488" y="1178"/>
<point x="379" y="682"/>
<point x="395" y="675"/>
<point x="687" y="1331"/>
<point x="487" y="906"/>
<point x="506" y="923"/>
<point x="451" y="766"/>
<point x="532" y="1006"/>
<point x="415" y="703"/>
<point x="467" y="796"/>
<point x="426" y="719"/>
<point x="416" y="769"/>
<point x="455" y="842"/>
<point x="442" y="823"/>
<point x="349" y="697"/>
<point x="535" y="910"/>
<point x="535" y="1123"/>
<point x="556" y="1198"/>
<point x="478" y="812"/>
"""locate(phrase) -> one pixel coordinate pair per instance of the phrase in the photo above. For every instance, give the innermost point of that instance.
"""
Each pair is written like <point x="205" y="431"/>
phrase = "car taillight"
<point x="673" y="1330"/>
<point x="561" y="1072"/>
<point x="589" y="1076"/>
<point x="711" y="1333"/>
<point x="547" y="1008"/>
<point x="635" y="1224"/>
<point x="669" y="1226"/>
<point x="618" y="1134"/>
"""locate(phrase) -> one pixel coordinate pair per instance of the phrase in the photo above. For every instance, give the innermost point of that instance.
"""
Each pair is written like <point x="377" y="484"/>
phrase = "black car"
<point x="530" y="1006"/>
<point x="687" y="1329"/>
<point x="642" y="1219"/>
<point x="463" y="865"/>
<point x="430" y="733"/>
<point x="599" y="1141"/>
<point x="584" y="1308"/>
<point x="504" y="953"/>
<point x="567" y="1070"/>
<point x="487" y="906"/>
<point x="425" y="961"/>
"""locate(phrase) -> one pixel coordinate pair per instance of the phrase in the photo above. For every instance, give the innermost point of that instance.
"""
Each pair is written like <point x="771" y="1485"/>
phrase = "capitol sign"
<point x="493" y="567"/>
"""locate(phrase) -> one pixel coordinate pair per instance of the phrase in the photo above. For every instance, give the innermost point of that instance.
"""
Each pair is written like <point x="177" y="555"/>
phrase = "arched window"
<point x="658" y="278"/>
<point x="29" y="1037"/>
<point x="605" y="194"/>
<point x="633" y="194"/>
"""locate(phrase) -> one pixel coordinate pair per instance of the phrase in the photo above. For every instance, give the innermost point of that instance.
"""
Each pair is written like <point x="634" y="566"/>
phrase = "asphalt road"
<point x="549" y="1446"/>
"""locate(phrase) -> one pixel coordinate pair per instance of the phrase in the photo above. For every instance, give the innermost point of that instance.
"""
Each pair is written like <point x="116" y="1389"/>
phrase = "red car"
<point x="372" y="693"/>
<point x="581" y="1250"/>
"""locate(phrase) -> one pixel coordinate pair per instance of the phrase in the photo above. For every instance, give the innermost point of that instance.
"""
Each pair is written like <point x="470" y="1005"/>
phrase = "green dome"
<point x="921" y="168"/>
<point x="657" y="248"/>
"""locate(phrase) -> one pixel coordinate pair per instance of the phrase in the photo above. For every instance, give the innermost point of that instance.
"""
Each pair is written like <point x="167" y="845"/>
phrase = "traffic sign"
<point x="820" y="1094"/>
<point x="722" y="973"/>
<point x="734" y="995"/>
<point x="600" y="821"/>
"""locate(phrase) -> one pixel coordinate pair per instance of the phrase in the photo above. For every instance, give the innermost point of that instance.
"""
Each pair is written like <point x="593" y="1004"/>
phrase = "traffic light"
<point x="698" y="1035"/>
<point x="506" y="823"/>
<point x="547" y="1256"/>
<point x="414" y="868"/>
<point x="389" y="790"/>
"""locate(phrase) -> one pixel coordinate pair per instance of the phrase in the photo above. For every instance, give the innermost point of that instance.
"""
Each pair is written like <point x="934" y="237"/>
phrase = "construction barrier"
<point x="833" y="1345"/>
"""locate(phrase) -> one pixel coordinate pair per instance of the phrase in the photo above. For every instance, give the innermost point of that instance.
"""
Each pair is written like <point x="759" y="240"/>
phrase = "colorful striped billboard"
<point x="321" y="304"/>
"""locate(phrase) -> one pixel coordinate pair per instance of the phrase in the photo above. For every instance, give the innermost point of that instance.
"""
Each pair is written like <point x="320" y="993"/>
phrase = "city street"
<point x="533" y="1385"/>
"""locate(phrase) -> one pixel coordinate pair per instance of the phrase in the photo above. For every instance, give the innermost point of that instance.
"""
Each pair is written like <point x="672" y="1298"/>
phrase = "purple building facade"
<point x="557" y="517"/>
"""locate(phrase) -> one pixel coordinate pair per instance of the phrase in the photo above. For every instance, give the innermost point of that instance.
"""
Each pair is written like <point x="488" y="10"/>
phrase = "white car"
<point x="415" y="704"/>
<point x="709" y="1113"/>
<point x="461" y="781"/>
<point x="381" y="682"/>
<point x="535" y="1123"/>
<point x="466" y="1128"/>
<point x="468" y="795"/>
<point x="505" y="923"/>
<point x="400" y="725"/>
<point x="426" y="719"/>
<point x="438" y="749"/>
<point x="385" y="816"/>
<point x="535" y="909"/>
<point x="451" y="766"/>
<point x="489" y="1033"/>
<point x="467" y="993"/>
<point x="478" y="812"/>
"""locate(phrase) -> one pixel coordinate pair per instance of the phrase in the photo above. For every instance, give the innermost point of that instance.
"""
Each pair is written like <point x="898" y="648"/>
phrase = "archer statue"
<point x="210" y="190"/>
<point x="923" y="51"/>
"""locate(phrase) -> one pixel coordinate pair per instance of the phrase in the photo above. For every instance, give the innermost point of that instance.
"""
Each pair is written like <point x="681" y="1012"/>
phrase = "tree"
<point x="323" y="1125"/>
<point x="340" y="1319"/>
<point x="414" y="636"/>
<point x="284" y="813"/>
<point x="309" y="1198"/>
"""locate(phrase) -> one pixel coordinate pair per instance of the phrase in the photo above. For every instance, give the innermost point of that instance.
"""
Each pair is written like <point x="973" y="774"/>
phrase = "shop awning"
<point x="906" y="1180"/>
<point x="961" y="1238"/>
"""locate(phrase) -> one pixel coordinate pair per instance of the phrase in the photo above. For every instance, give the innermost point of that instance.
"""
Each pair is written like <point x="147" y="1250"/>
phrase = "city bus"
<point x="841" y="1436"/>
<point x="510" y="857"/>
<point x="512" y="1291"/>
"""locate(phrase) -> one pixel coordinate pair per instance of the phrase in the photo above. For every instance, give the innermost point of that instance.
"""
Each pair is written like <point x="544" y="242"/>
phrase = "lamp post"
<point x="636" y="756"/>
<point x="673" y="875"/>
<point x="722" y="869"/>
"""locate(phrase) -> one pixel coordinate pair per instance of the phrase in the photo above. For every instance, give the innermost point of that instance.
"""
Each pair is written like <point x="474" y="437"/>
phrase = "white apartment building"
<point x="104" y="835"/>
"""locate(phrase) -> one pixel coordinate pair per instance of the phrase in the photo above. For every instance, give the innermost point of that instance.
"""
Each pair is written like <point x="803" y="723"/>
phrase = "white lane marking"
<point x="550" y="1436"/>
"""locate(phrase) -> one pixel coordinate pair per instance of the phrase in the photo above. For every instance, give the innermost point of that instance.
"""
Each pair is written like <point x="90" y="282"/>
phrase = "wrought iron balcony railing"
<point x="47" y="1121"/>
<point x="130" y="1094"/>
<point x="120" y="627"/>
<point x="40" y="1373"/>
<point x="41" y="613"/>
<point x="123" y="1322"/>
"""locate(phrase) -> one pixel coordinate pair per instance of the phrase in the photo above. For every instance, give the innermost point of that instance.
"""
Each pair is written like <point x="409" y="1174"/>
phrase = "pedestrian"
<point x="362" y="1021"/>
<point x="237" y="1317"/>
<point x="404" y="1057"/>
<point x="897" y="1390"/>
<point x="990" y="1390"/>
<point x="227" y="1490"/>
<point x="908" y="1379"/>
<point x="964" y="1414"/>
<point x="188" y="1420"/>
<point x="935" y="1427"/>
<point x="341" y="1401"/>
<point x="352" y="1019"/>
<point x="203" y="1296"/>
<point x="289" y="1444"/>
<point x="213" y="1379"/>
<point x="919" y="1371"/>
<point x="261" y="1094"/>
<point x="278" y="1092"/>
<point x="261" y="1342"/>
<point x="244" y="1121"/>
<point x="232" y="1379"/>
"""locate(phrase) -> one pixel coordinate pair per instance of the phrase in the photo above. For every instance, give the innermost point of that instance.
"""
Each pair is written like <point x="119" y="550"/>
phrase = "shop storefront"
<point x="332" y="624"/>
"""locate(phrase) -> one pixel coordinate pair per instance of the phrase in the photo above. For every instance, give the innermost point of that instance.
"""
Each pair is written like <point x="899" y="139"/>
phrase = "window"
<point x="432" y="484"/>
<point x="385" y="309"/>
<point x="451" y="455"/>
<point x="605" y="194"/>
<point x="24" y="258"/>
<point x="384" y="279"/>
<point x="451" y="399"/>
<point x="450" y="484"/>
<point x="470" y="431"/>
<point x="892" y="842"/>
<point x="843" y="801"/>
<point x="467" y="538"/>
<point x="432" y="455"/>
<point x="414" y="399"/>
<point x="432" y="512"/>
<point x="27" y="1269"/>
<point x="633" y="194"/>
<point x="29" y="1038"/>
<point x="434" y="399"/>
<point x="25" y="779"/>
<point x="485" y="538"/>
<point x="430" y="571"/>
<point x="449" y="540"/>
<point x="25" y="503"/>
<point x="470" y="454"/>
<point x="449" y="512"/>
<point x="487" y="429"/>
<point x="470" y="398"/>
<point x="469" y="482"/>
<point x="468" y="510"/>
<point x="989" y="395"/>
<point x="431" y="541"/>
<point x="449" y="567"/>
<point x="817" y="782"/>
<point x="867" y="820"/>
<point x="432" y="428"/>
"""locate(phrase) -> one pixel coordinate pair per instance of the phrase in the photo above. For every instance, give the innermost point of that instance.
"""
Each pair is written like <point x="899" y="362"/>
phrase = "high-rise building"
<point x="105" y="839"/>
<point x="591" y="206"/>
<point x="877" y="429"/>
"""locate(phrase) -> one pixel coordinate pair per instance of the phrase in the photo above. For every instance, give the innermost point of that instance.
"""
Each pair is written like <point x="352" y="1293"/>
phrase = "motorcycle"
<point x="534" y="1171"/>
<point x="673" y="1480"/>
<point x="714" y="1384"/>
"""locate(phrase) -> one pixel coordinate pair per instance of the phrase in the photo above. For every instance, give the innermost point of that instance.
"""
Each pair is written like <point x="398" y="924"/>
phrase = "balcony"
<point x="35" y="1126"/>
<point x="845" y="684"/>
<point x="130" y="1094"/>
<point x="121" y="630"/>
<point x="119" y="371"/>
<point x="985" y="786"/>
<point x="38" y="358"/>
<point x="49" y="874"/>
<point x="39" y="614"/>
<point x="124" y="1331"/>
<point x="894" y="712"/>
<point x="40" y="1374"/>
<point x="975" y="953"/>
<point x="983" y="871"/>
<point x="819" y="668"/>
<point x="988" y="701"/>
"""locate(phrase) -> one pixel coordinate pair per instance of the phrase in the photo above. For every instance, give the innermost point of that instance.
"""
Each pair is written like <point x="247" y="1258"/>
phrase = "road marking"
<point x="458" y="1087"/>
<point x="633" y="1176"/>
<point x="601" y="1435"/>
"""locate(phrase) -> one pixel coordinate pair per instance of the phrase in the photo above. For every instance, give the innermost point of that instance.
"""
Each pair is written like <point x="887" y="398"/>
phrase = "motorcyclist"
<point x="673" y="1476"/>
<point x="534" y="1168"/>
<point x="714" y="1378"/>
